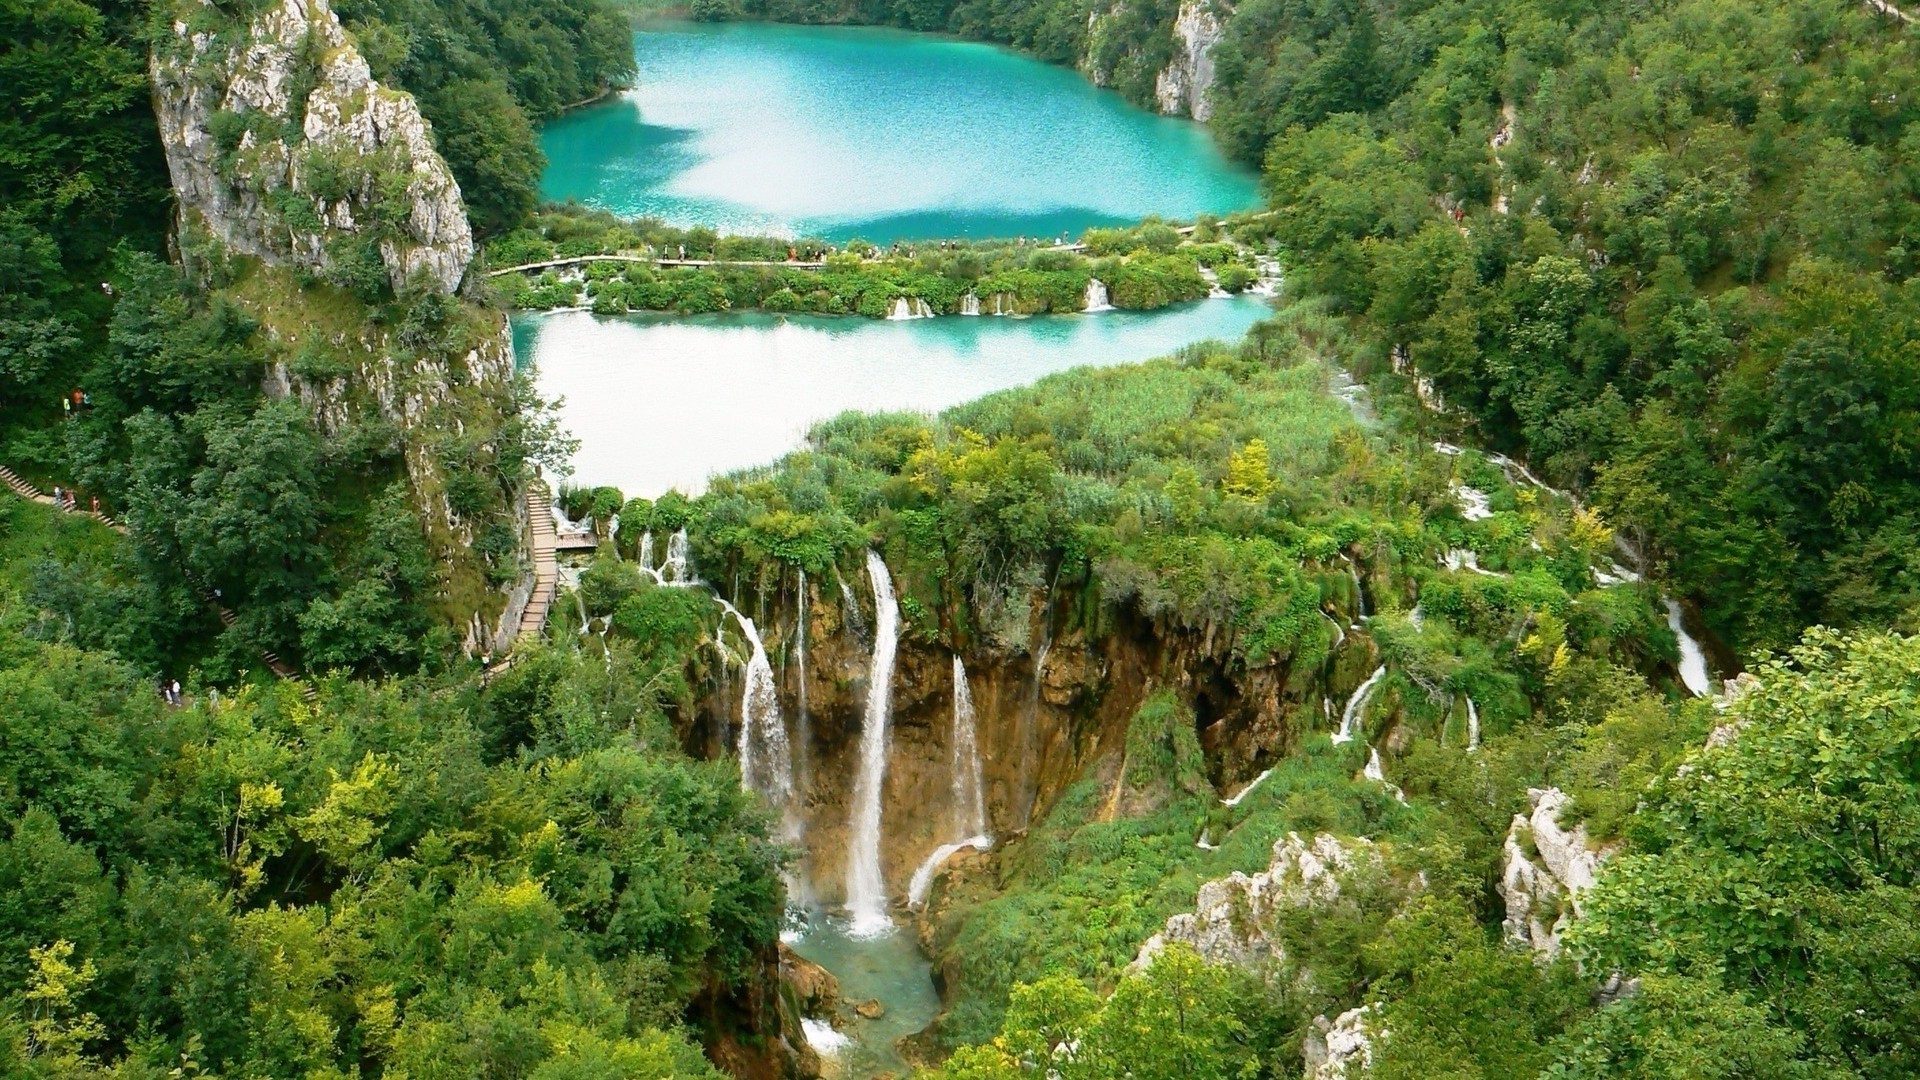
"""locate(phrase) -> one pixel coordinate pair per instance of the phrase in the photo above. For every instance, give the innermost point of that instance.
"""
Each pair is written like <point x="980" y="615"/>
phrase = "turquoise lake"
<point x="661" y="402"/>
<point x="842" y="132"/>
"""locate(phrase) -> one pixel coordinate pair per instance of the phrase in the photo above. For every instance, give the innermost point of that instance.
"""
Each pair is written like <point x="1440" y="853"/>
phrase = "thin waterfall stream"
<point x="969" y="794"/>
<point x="866" y="883"/>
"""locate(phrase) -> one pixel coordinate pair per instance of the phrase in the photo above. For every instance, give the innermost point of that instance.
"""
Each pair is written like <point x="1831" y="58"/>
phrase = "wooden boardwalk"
<point x="25" y="490"/>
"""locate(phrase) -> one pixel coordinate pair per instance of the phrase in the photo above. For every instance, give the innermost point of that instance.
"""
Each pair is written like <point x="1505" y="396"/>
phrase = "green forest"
<point x="1650" y="265"/>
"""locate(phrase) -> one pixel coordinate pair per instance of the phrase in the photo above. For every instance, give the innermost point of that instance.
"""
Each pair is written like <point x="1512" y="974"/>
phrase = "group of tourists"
<point x="75" y="401"/>
<point x="69" y="499"/>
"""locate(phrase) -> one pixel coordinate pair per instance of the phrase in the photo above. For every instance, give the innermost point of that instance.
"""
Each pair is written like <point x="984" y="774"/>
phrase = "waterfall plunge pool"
<point x="887" y="968"/>
<point x="661" y="402"/>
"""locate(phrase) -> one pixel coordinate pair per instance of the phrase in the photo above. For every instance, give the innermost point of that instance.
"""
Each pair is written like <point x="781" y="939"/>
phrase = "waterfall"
<point x="1246" y="791"/>
<point x="1693" y="659"/>
<point x="970" y="304"/>
<point x="1030" y="721"/>
<point x="646" y="549"/>
<point x="909" y="307"/>
<point x="1359" y="593"/>
<point x="1340" y="633"/>
<point x="1097" y="296"/>
<point x="766" y="759"/>
<point x="1473" y="727"/>
<point x="1378" y="775"/>
<point x="804" y="725"/>
<point x="850" y="614"/>
<point x="998" y="308"/>
<point x="922" y="882"/>
<point x="1350" y="716"/>
<point x="969" y="799"/>
<point x="1266" y="276"/>
<point x="675" y="568"/>
<point x="969" y="796"/>
<point x="866" y="888"/>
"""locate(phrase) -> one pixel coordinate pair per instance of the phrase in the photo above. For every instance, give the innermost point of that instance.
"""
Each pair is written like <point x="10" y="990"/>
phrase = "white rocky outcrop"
<point x="1231" y="916"/>
<point x="1547" y="867"/>
<point x="1182" y="88"/>
<point x="1340" y="1049"/>
<point x="280" y="142"/>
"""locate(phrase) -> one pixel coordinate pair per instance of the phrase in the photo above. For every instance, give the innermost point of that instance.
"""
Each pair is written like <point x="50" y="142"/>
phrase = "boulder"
<point x="1547" y="867"/>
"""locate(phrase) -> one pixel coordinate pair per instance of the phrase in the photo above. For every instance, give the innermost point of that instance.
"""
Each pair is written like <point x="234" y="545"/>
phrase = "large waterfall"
<point x="1350" y="716"/>
<point x="1096" y="299"/>
<point x="866" y="887"/>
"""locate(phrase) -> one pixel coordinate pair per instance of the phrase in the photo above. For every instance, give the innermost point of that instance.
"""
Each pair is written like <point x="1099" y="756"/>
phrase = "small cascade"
<point x="1475" y="505"/>
<point x="1205" y="843"/>
<point x="1340" y="632"/>
<point x="969" y="791"/>
<point x="1693" y="659"/>
<point x="1001" y="306"/>
<point x="1030" y="723"/>
<point x="586" y="623"/>
<point x="1266" y="281"/>
<point x="826" y="1040"/>
<point x="675" y="568"/>
<point x="1473" y="727"/>
<point x="850" y="613"/>
<point x="646" y="550"/>
<point x="1246" y="791"/>
<point x="802" y="766"/>
<point x="766" y="759"/>
<point x="922" y="883"/>
<point x="1378" y="775"/>
<point x="909" y="307"/>
<point x="1350" y="716"/>
<point x="1359" y="593"/>
<point x="970" y="304"/>
<point x="866" y="887"/>
<point x="1466" y="559"/>
<point x="1096" y="299"/>
<point x="1418" y="617"/>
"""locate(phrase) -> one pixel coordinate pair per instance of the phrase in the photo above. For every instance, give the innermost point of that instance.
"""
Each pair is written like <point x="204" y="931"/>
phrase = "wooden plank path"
<point x="546" y="574"/>
<point x="25" y="490"/>
<point x="648" y="260"/>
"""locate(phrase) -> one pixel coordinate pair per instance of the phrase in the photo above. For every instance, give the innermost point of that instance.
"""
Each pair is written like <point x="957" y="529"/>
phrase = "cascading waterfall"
<point x="866" y="888"/>
<point x="970" y="304"/>
<point x="969" y="792"/>
<point x="1096" y="299"/>
<point x="850" y="612"/>
<point x="909" y="307"/>
<point x="766" y="758"/>
<point x="802" y="766"/>
<point x="646" y="549"/>
<point x="675" y="568"/>
<point x="1248" y="790"/>
<point x="1473" y="727"/>
<point x="1350" y="716"/>
<point x="1693" y="659"/>
<point x="1378" y="775"/>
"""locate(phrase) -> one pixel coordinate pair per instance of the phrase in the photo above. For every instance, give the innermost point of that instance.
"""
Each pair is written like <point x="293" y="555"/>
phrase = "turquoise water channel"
<point x="840" y="132"/>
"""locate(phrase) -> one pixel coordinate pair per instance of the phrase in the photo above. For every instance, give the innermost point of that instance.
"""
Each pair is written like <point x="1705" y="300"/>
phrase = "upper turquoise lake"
<point x="841" y="132"/>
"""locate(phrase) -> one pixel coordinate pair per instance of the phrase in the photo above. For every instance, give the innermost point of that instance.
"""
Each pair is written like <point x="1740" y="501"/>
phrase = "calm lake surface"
<point x="661" y="402"/>
<point x="840" y="132"/>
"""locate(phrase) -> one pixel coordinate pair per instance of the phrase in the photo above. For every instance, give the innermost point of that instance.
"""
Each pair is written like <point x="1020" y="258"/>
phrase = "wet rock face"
<point x="1547" y="867"/>
<point x="1232" y="917"/>
<point x="281" y="144"/>
<point x="1182" y="87"/>
<point x="1038" y="732"/>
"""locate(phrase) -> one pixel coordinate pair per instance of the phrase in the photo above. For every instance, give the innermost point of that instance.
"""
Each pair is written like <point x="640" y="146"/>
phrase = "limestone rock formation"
<point x="1547" y="867"/>
<point x="1183" y="85"/>
<point x="1231" y="916"/>
<point x="1339" y="1049"/>
<point x="281" y="145"/>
